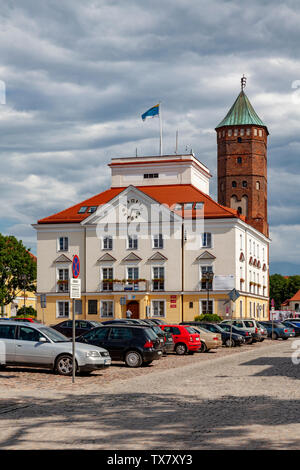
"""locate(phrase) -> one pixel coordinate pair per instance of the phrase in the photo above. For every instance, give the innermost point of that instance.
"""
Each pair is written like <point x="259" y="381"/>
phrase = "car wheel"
<point x="229" y="343"/>
<point x="203" y="348"/>
<point x="133" y="359"/>
<point x="274" y="335"/>
<point x="64" y="365"/>
<point x="180" y="349"/>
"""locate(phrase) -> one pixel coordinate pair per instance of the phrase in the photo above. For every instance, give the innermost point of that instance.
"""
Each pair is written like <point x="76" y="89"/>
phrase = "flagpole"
<point x="160" y="128"/>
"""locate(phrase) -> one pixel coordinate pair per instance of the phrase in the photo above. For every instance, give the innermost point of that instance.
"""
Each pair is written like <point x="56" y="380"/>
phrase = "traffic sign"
<point x="75" y="266"/>
<point x="234" y="294"/>
<point x="75" y="290"/>
<point x="43" y="300"/>
<point x="122" y="300"/>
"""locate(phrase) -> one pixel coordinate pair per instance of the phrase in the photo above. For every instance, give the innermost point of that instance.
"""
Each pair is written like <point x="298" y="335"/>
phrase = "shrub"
<point x="26" y="312"/>
<point x="211" y="317"/>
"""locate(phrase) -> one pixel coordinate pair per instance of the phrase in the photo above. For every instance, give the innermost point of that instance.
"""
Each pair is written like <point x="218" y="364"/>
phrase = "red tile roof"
<point x="296" y="297"/>
<point x="164" y="194"/>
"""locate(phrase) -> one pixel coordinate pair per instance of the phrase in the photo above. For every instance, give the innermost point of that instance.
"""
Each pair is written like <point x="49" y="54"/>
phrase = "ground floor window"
<point x="206" y="306"/>
<point x="92" y="307"/>
<point x="63" y="309"/>
<point x="158" y="308"/>
<point x="107" y="308"/>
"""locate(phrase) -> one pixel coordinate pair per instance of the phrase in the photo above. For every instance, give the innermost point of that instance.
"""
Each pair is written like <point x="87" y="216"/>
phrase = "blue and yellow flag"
<point x="152" y="112"/>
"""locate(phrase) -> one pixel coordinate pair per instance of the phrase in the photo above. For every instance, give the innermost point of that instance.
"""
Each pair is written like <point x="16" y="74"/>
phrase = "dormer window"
<point x="92" y="209"/>
<point x="82" y="209"/>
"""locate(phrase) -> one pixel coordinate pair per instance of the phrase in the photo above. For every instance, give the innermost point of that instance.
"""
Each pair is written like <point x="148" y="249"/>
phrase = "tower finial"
<point x="243" y="82"/>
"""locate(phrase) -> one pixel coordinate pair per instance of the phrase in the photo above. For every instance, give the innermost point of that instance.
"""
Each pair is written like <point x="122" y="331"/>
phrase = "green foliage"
<point x="211" y="317"/>
<point x="282" y="288"/>
<point x="26" y="312"/>
<point x="15" y="263"/>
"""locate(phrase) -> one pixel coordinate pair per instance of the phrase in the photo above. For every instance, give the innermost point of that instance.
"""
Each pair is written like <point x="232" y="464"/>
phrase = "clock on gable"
<point x="134" y="210"/>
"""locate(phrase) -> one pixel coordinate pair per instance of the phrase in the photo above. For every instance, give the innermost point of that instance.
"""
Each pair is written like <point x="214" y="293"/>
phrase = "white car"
<point x="37" y="345"/>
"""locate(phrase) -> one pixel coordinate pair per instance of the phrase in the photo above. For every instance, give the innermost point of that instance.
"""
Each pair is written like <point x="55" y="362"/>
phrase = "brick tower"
<point x="242" y="162"/>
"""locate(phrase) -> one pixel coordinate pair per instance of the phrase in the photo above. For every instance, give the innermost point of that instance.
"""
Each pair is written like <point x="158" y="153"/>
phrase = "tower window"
<point x="233" y="184"/>
<point x="236" y="132"/>
<point x="248" y="131"/>
<point x="239" y="139"/>
<point x="242" y="132"/>
<point x="244" y="184"/>
<point x="239" y="159"/>
<point x="255" y="131"/>
<point x="260" y="133"/>
<point x="239" y="209"/>
<point x="229" y="132"/>
<point x="257" y="185"/>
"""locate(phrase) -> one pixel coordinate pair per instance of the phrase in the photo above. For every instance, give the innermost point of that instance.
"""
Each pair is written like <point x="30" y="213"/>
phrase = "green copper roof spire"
<point x="241" y="112"/>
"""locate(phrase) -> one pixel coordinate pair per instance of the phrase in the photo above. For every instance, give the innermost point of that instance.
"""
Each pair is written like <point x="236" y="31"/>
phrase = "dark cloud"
<point x="79" y="74"/>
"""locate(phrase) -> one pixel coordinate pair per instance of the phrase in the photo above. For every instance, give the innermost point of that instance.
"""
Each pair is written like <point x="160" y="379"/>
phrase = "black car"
<point x="166" y="338"/>
<point x="128" y="321"/>
<point x="158" y="321"/>
<point x="246" y="334"/>
<point x="135" y="345"/>
<point x="236" y="339"/>
<point x="81" y="327"/>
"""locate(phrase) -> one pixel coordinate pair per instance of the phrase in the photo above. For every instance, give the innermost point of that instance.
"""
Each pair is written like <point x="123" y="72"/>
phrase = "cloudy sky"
<point x="78" y="75"/>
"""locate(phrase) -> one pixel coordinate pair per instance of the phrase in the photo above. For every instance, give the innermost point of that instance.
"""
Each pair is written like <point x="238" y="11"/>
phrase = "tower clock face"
<point x="134" y="210"/>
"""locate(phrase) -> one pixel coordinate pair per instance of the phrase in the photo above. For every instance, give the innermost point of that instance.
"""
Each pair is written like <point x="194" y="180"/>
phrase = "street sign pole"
<point x="233" y="295"/>
<point x="75" y="293"/>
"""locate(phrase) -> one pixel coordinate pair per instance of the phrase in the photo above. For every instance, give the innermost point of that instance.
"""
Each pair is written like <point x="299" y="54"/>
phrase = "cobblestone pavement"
<point x="247" y="398"/>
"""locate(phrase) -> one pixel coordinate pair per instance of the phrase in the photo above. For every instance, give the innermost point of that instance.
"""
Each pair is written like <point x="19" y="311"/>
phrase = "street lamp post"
<point x="208" y="277"/>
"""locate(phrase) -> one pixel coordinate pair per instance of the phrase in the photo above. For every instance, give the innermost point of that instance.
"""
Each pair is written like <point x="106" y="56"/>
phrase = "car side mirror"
<point x="42" y="339"/>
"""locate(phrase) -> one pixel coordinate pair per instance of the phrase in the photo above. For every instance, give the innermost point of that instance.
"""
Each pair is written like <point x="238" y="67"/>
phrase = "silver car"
<point x="37" y="345"/>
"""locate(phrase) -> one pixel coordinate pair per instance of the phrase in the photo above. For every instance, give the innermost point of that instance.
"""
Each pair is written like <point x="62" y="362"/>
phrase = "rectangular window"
<point x="107" y="308"/>
<point x="107" y="276"/>
<point x="242" y="132"/>
<point x="63" y="280"/>
<point x="206" y="240"/>
<point x="254" y="131"/>
<point x="205" y="285"/>
<point x="158" y="241"/>
<point x="107" y="243"/>
<point x="132" y="273"/>
<point x="235" y="132"/>
<point x="248" y="131"/>
<point x="158" y="278"/>
<point x="206" y="307"/>
<point x="92" y="307"/>
<point x="132" y="242"/>
<point x="63" y="244"/>
<point x="82" y="209"/>
<point x="62" y="309"/>
<point x="229" y="132"/>
<point x="158" y="308"/>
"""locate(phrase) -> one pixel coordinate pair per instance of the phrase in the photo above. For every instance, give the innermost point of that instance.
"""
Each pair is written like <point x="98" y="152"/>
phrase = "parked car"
<point x="263" y="331"/>
<point x="35" y="345"/>
<point x="135" y="345"/>
<point x="279" y="330"/>
<point x="247" y="324"/>
<point x="81" y="326"/>
<point x="208" y="339"/>
<point x="294" y="327"/>
<point x="158" y="321"/>
<point x="128" y="321"/>
<point x="236" y="340"/>
<point x="239" y="331"/>
<point x="25" y="319"/>
<point x="295" y="321"/>
<point x="185" y="338"/>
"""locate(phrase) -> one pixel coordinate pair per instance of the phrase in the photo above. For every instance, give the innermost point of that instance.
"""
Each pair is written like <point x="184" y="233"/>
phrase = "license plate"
<point x="107" y="361"/>
<point x="197" y="339"/>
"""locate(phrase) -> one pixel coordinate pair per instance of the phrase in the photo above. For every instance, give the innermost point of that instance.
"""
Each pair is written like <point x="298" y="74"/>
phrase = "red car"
<point x="26" y="319"/>
<point x="185" y="338"/>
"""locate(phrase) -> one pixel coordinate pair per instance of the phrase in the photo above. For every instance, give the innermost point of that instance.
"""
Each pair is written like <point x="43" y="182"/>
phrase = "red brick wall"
<point x="253" y="169"/>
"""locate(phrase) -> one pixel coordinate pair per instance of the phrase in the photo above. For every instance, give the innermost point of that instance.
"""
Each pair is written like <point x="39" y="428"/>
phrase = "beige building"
<point x="146" y="245"/>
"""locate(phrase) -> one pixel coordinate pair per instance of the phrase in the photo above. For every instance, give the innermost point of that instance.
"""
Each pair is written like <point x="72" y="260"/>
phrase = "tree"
<point x="17" y="270"/>
<point x="283" y="288"/>
<point x="26" y="312"/>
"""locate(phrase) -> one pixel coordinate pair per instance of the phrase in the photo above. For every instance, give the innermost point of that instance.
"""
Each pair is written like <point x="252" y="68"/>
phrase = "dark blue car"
<point x="279" y="330"/>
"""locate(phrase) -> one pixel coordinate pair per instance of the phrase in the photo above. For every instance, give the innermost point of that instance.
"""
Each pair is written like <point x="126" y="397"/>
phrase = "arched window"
<point x="234" y="184"/>
<point x="239" y="160"/>
<point x="244" y="184"/>
<point x="240" y="210"/>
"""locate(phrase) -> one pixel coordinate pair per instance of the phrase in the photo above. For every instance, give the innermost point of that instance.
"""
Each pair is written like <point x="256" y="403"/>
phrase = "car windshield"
<point x="157" y="330"/>
<point x="54" y="335"/>
<point x="151" y="333"/>
<point x="191" y="330"/>
<point x="96" y="323"/>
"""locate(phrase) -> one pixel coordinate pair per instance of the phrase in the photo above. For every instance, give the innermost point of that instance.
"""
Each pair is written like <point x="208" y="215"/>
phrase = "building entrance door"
<point x="134" y="307"/>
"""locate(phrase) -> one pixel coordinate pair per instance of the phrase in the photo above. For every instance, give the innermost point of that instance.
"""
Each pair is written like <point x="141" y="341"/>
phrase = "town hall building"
<point x="157" y="244"/>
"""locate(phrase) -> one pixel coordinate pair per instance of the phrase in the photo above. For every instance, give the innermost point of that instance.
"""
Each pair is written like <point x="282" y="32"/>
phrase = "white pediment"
<point x="63" y="259"/>
<point x="205" y="255"/>
<point x="131" y="257"/>
<point x="106" y="257"/>
<point x="157" y="257"/>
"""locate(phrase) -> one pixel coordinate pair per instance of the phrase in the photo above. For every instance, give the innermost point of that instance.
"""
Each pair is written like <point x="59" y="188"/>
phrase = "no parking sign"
<point x="75" y="266"/>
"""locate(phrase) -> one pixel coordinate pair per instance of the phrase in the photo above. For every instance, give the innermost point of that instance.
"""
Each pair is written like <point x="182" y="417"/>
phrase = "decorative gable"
<point x="106" y="257"/>
<point x="242" y="257"/>
<point x="157" y="257"/>
<point x="205" y="255"/>
<point x="251" y="261"/>
<point x="264" y="267"/>
<point x="132" y="257"/>
<point x="63" y="259"/>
